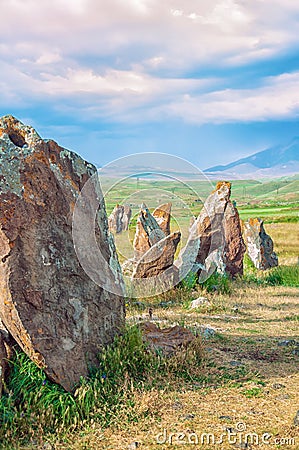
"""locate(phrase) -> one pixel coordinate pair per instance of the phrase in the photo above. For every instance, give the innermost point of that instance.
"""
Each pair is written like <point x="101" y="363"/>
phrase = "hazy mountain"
<point x="275" y="161"/>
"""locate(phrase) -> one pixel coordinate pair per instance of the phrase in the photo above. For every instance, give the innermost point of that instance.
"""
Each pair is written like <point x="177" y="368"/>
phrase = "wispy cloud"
<point x="277" y="99"/>
<point x="137" y="60"/>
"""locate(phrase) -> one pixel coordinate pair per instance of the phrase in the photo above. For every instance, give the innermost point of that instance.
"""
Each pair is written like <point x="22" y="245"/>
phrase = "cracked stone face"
<point x="55" y="312"/>
<point x="217" y="234"/>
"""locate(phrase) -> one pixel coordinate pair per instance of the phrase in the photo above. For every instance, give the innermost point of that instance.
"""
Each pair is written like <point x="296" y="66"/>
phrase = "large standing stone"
<point x="215" y="236"/>
<point x="148" y="232"/>
<point x="126" y="217"/>
<point x="119" y="219"/>
<point x="209" y="223"/>
<point x="234" y="248"/>
<point x="115" y="219"/>
<point x="55" y="312"/>
<point x="162" y="214"/>
<point x="259" y="245"/>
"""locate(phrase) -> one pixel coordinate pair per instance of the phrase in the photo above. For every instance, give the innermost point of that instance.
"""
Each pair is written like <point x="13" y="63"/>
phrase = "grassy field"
<point x="273" y="201"/>
<point x="240" y="376"/>
<point x="269" y="200"/>
<point x="247" y="373"/>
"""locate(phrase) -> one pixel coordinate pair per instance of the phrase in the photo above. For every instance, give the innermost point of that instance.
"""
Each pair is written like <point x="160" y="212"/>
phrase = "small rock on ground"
<point x="296" y="419"/>
<point x="200" y="301"/>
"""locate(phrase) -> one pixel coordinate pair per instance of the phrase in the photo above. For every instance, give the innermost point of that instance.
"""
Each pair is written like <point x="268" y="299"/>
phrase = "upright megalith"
<point x="127" y="214"/>
<point x="215" y="236"/>
<point x="50" y="306"/>
<point x="234" y="247"/>
<point x="148" y="232"/>
<point x="259" y="245"/>
<point x="119" y="219"/>
<point x="162" y="214"/>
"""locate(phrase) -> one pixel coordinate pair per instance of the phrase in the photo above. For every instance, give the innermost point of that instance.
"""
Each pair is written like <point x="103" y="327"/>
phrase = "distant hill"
<point x="277" y="161"/>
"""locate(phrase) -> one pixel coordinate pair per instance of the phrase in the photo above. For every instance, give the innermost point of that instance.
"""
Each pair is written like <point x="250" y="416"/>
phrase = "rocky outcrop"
<point x="162" y="214"/>
<point x="119" y="219"/>
<point x="216" y="237"/>
<point x="259" y="245"/>
<point x="148" y="232"/>
<point x="51" y="307"/>
<point x="168" y="340"/>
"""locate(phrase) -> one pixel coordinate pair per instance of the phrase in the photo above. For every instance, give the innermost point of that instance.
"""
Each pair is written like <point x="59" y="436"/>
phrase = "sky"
<point x="207" y="80"/>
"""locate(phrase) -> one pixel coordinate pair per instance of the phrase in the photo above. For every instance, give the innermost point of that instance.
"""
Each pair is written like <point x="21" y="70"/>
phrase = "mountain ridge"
<point x="277" y="158"/>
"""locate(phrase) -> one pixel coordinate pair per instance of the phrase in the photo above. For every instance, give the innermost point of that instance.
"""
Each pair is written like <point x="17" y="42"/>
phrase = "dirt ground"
<point x="248" y="396"/>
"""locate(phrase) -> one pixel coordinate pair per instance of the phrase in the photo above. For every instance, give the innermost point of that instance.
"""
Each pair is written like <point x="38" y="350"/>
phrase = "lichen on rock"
<point x="51" y="307"/>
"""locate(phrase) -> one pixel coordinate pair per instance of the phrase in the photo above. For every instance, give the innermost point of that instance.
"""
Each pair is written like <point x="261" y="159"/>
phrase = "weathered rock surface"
<point x="6" y="352"/>
<point x="259" y="245"/>
<point x="162" y="214"/>
<point x="119" y="219"/>
<point x="169" y="340"/>
<point x="126" y="217"/>
<point x="115" y="219"/>
<point x="209" y="223"/>
<point x="234" y="247"/>
<point x="215" y="236"/>
<point x="55" y="312"/>
<point x="158" y="258"/>
<point x="148" y="232"/>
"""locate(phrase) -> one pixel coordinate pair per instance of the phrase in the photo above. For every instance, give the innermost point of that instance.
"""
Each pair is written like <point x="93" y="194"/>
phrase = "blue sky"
<point x="211" y="81"/>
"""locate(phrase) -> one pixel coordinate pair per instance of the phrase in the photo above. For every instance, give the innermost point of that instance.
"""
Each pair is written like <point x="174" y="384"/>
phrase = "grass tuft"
<point x="277" y="276"/>
<point x="33" y="406"/>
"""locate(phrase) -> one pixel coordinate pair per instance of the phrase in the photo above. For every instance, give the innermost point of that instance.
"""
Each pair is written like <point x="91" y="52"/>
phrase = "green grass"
<point x="32" y="406"/>
<point x="252" y="392"/>
<point x="218" y="283"/>
<point x="277" y="276"/>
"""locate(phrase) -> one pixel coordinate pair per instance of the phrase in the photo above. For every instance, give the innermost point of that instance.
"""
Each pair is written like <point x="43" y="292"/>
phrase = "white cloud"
<point x="129" y="59"/>
<point x="48" y="58"/>
<point x="188" y="35"/>
<point x="177" y="12"/>
<point x="277" y="99"/>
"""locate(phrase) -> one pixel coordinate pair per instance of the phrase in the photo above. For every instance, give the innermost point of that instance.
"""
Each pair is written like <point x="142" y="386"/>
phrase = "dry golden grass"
<point x="248" y="377"/>
<point x="286" y="241"/>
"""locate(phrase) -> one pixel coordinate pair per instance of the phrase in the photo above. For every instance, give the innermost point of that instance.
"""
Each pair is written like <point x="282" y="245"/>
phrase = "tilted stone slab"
<point x="148" y="232"/>
<point x="158" y="258"/>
